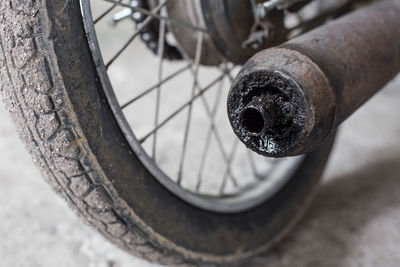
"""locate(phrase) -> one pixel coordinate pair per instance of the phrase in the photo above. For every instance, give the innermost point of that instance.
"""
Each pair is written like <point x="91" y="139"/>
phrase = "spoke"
<point x="208" y="137"/>
<point x="189" y="116"/>
<point x="250" y="156"/>
<point x="214" y="128"/>
<point x="105" y="13"/>
<point x="228" y="168"/>
<point x="152" y="14"/>
<point x="145" y="92"/>
<point x="200" y="93"/>
<point x="161" y="44"/>
<point x="146" y="22"/>
<point x="230" y="77"/>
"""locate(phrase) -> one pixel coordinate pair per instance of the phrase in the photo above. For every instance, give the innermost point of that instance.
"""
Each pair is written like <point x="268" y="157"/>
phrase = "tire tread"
<point x="38" y="103"/>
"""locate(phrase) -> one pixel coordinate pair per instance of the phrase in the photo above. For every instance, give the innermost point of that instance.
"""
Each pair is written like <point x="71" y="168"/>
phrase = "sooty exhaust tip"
<point x="267" y="112"/>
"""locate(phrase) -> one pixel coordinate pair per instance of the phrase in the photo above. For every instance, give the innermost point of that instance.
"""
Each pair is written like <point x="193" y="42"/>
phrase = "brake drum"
<point x="228" y="24"/>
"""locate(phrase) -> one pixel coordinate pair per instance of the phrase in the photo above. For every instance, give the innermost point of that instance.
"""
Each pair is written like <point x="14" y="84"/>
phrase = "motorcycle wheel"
<point x="85" y="148"/>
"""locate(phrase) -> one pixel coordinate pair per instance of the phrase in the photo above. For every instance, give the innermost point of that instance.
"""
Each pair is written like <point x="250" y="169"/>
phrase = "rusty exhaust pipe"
<point x="287" y="100"/>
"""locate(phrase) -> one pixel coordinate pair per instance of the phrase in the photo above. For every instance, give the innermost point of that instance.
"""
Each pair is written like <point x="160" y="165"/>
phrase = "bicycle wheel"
<point x="167" y="182"/>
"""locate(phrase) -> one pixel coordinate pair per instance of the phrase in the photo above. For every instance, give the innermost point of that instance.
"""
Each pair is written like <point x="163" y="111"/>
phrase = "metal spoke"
<point x="145" y="92"/>
<point x="105" y="13"/>
<point x="189" y="116"/>
<point x="161" y="44"/>
<point x="146" y="22"/>
<point x="208" y="137"/>
<point x="228" y="167"/>
<point x="230" y="78"/>
<point x="252" y="164"/>
<point x="214" y="128"/>
<point x="176" y="112"/>
<point x="152" y="14"/>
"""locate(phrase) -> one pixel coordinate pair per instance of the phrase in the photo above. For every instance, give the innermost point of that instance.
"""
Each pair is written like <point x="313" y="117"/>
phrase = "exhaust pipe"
<point x="287" y="100"/>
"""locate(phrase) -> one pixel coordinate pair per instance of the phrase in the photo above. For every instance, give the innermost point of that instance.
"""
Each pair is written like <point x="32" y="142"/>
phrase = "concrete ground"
<point x="354" y="221"/>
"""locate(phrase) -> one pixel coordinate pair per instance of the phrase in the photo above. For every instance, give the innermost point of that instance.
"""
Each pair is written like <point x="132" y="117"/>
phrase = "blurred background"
<point x="354" y="221"/>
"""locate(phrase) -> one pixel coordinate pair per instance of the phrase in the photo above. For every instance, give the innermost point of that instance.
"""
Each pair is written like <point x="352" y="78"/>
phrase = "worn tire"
<point x="50" y="86"/>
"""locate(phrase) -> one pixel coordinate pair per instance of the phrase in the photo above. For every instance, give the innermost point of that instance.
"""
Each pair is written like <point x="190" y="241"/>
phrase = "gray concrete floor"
<point x="354" y="221"/>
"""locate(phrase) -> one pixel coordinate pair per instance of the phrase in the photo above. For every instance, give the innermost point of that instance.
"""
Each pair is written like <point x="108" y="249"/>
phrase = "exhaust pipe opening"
<point x="252" y="120"/>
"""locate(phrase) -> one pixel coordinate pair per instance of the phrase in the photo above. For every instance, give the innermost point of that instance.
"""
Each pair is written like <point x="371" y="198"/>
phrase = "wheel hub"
<point x="230" y="26"/>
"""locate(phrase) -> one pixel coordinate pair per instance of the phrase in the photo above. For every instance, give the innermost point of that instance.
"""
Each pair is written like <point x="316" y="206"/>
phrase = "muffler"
<point x="287" y="100"/>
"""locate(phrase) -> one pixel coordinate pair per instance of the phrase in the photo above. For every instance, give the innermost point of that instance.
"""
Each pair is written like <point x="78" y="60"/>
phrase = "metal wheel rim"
<point x="240" y="203"/>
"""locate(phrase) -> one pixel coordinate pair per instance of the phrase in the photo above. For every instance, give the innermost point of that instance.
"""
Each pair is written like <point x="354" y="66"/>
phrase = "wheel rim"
<point x="264" y="177"/>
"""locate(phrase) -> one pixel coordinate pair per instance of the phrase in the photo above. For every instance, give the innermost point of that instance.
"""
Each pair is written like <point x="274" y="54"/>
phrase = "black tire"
<point x="50" y="85"/>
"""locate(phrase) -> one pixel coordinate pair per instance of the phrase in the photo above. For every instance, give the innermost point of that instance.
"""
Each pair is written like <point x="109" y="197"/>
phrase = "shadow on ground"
<point x="342" y="210"/>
